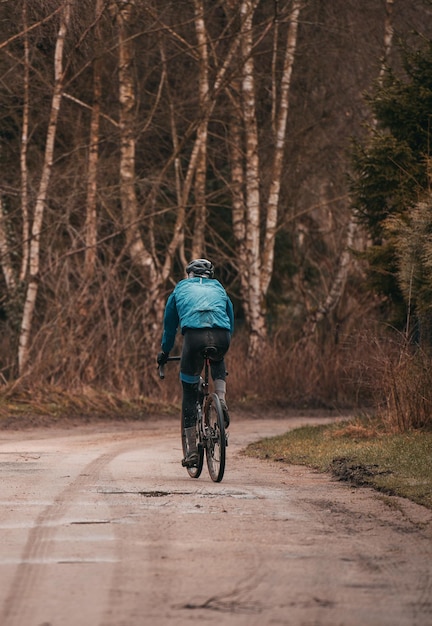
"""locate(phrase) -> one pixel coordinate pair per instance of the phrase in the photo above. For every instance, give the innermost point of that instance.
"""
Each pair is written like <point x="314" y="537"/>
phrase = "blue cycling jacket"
<point x="196" y="303"/>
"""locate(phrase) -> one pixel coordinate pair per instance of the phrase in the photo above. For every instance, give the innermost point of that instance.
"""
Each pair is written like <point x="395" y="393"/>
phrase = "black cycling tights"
<point x="189" y="403"/>
<point x="195" y="340"/>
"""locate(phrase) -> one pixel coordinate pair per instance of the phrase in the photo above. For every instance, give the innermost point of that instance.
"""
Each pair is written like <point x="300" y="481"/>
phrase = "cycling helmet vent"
<point x="200" y="267"/>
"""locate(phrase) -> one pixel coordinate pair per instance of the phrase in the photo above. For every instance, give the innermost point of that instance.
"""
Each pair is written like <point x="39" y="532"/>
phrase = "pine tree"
<point x="390" y="184"/>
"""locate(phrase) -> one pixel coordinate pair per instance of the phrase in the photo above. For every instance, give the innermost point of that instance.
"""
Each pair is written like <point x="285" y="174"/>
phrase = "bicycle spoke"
<point x="215" y="438"/>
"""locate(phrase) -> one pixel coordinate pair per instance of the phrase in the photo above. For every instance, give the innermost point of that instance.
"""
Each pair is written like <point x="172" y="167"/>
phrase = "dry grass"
<point x="408" y="389"/>
<point x="22" y="407"/>
<point x="357" y="430"/>
<point x="88" y="359"/>
<point x="401" y="384"/>
<point x="310" y="374"/>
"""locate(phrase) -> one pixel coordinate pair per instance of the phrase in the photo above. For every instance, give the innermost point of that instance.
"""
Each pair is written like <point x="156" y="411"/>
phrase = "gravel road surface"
<point x="101" y="526"/>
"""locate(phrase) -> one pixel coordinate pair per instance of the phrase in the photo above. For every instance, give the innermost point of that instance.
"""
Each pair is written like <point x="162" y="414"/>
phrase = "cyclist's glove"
<point x="162" y="358"/>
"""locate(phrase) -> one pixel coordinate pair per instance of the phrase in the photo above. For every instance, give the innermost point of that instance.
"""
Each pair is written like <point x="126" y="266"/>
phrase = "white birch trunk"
<point x="23" y="152"/>
<point x="90" y="228"/>
<point x="201" y="168"/>
<point x="388" y="38"/>
<point x="140" y="255"/>
<point x="238" y="208"/>
<point x="252" y="178"/>
<point x="34" y="255"/>
<point x="127" y="99"/>
<point x="280" y="138"/>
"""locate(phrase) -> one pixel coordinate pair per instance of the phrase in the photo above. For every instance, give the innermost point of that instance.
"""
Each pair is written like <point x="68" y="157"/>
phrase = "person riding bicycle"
<point x="201" y="307"/>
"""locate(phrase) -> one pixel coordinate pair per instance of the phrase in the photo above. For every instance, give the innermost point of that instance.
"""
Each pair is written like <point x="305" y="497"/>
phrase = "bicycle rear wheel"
<point x="215" y="438"/>
<point x="195" y="471"/>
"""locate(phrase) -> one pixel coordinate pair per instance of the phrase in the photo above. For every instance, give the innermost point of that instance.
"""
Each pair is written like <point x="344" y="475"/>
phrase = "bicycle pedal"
<point x="190" y="463"/>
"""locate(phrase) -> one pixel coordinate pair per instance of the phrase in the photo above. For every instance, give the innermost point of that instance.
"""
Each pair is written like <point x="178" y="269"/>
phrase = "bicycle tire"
<point x="194" y="472"/>
<point x="216" y="438"/>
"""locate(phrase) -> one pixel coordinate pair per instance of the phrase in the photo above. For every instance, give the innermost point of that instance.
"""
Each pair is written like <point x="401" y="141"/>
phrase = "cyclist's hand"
<point x="162" y="358"/>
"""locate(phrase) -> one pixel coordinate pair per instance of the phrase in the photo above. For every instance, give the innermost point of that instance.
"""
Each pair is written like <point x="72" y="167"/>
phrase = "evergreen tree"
<point x="391" y="178"/>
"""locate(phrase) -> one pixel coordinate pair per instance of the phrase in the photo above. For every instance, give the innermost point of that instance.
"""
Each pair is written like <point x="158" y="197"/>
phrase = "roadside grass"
<point x="360" y="453"/>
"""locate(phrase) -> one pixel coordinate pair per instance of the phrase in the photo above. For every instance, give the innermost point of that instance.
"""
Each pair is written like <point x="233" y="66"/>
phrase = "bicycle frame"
<point x="211" y="436"/>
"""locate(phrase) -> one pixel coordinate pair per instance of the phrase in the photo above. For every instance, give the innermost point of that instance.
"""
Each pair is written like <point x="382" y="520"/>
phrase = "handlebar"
<point x="162" y="367"/>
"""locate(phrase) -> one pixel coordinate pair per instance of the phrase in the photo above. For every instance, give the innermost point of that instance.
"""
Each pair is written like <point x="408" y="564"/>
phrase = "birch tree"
<point x="34" y="251"/>
<point x="24" y="146"/>
<point x="127" y="99"/>
<point x="201" y="167"/>
<point x="256" y="248"/>
<point x="157" y="271"/>
<point x="93" y="157"/>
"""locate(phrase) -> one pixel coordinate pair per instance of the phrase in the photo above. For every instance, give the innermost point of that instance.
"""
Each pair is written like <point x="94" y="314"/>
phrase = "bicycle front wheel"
<point x="215" y="438"/>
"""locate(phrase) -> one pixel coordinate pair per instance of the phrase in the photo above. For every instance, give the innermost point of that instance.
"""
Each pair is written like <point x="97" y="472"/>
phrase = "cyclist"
<point x="201" y="308"/>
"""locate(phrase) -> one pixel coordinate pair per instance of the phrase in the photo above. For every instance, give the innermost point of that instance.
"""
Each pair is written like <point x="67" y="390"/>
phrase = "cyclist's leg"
<point x="190" y="369"/>
<point x="218" y="370"/>
<point x="220" y="391"/>
<point x="189" y="403"/>
<point x="189" y="423"/>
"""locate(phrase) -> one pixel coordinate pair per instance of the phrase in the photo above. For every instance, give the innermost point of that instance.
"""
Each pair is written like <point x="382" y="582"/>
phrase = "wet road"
<point x="100" y="525"/>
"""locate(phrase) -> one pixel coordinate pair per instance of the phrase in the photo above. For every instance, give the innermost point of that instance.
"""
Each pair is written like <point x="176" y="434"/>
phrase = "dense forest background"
<point x="136" y="135"/>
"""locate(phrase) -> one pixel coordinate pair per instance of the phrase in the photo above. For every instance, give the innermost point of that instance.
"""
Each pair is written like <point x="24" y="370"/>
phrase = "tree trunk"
<point x="238" y="201"/>
<point x="34" y="255"/>
<point x="90" y="229"/>
<point x="388" y="38"/>
<point x="140" y="256"/>
<point x="338" y="285"/>
<point x="345" y="259"/>
<point x="255" y="243"/>
<point x="252" y="179"/>
<point x="280" y="139"/>
<point x="23" y="152"/>
<point x="198" y="242"/>
<point x="5" y="255"/>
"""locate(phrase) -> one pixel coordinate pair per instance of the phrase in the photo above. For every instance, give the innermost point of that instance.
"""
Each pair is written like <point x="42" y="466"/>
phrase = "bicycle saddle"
<point x="210" y="351"/>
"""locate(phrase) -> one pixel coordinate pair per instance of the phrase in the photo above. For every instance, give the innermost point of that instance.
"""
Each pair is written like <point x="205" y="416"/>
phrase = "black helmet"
<point x="200" y="267"/>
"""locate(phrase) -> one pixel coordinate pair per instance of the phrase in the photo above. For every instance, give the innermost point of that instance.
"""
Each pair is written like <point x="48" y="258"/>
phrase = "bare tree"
<point x="203" y="122"/>
<point x="345" y="261"/>
<point x="93" y="157"/>
<point x="201" y="169"/>
<point x="5" y="253"/>
<point x="254" y="248"/>
<point x="34" y="253"/>
<point x="24" y="146"/>
<point x="157" y="272"/>
<point x="127" y="98"/>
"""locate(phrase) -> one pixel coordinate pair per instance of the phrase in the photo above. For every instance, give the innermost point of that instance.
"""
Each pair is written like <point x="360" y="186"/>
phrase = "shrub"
<point x="407" y="384"/>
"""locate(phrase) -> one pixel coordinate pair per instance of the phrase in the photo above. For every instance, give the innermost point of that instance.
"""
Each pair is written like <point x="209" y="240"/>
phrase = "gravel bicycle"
<point x="210" y="426"/>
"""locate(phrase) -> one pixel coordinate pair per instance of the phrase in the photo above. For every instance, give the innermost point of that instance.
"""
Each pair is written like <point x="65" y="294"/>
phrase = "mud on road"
<point x="100" y="525"/>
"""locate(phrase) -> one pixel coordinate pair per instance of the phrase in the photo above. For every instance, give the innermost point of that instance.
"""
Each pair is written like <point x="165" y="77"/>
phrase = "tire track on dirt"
<point x="41" y="537"/>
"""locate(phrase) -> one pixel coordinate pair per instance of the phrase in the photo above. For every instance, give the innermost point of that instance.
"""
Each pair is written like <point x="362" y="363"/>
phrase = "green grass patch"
<point x="396" y="464"/>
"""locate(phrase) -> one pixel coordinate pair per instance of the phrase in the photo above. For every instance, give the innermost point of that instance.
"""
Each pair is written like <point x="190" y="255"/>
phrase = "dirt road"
<point x="101" y="526"/>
